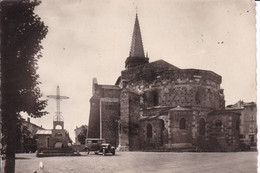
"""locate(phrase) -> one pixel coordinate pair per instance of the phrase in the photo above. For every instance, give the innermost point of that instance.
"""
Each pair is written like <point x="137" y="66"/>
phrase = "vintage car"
<point x="98" y="146"/>
<point x="107" y="148"/>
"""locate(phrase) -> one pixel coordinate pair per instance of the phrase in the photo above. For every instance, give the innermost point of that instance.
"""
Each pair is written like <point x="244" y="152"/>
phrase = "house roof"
<point x="44" y="132"/>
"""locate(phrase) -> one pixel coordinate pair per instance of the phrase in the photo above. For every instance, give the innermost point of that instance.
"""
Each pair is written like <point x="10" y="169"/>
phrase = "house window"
<point x="149" y="131"/>
<point x="218" y="125"/>
<point x="202" y="127"/>
<point x="183" y="123"/>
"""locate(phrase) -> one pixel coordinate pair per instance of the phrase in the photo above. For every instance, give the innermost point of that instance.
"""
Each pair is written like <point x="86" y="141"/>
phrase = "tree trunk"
<point x="10" y="144"/>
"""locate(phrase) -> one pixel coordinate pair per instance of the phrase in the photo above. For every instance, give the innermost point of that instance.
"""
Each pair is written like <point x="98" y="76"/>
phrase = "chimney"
<point x="28" y="120"/>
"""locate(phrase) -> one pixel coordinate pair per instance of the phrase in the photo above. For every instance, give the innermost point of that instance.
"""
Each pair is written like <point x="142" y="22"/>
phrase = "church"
<point x="156" y="106"/>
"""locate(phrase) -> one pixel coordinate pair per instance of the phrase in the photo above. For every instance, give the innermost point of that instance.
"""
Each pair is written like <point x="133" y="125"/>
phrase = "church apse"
<point x="160" y="106"/>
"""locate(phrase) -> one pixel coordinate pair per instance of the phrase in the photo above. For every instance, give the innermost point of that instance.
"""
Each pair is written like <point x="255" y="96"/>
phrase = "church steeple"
<point x="136" y="55"/>
<point x="137" y="49"/>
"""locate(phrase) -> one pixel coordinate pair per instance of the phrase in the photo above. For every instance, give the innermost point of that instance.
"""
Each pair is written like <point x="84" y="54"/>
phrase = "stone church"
<point x="158" y="106"/>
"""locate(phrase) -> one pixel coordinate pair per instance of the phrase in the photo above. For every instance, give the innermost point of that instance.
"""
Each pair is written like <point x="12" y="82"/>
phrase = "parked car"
<point x="107" y="148"/>
<point x="98" y="146"/>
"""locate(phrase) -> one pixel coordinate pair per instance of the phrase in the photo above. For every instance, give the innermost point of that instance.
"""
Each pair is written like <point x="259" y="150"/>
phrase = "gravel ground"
<point x="129" y="162"/>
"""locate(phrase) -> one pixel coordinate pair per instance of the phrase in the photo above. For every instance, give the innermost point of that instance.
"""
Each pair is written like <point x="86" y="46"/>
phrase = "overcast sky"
<point x="89" y="39"/>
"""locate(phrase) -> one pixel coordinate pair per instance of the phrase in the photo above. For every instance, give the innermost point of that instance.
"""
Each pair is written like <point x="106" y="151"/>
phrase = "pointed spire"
<point x="136" y="54"/>
<point x="137" y="49"/>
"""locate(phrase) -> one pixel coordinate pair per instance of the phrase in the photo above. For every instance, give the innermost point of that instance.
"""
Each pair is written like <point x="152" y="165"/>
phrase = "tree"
<point x="83" y="134"/>
<point x="21" y="35"/>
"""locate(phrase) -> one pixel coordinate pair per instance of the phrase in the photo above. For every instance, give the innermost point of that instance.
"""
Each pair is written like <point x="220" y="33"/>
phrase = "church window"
<point x="149" y="131"/>
<point x="183" y="123"/>
<point x="237" y="124"/>
<point x="218" y="125"/>
<point x="202" y="127"/>
<point x="163" y="125"/>
<point x="155" y="98"/>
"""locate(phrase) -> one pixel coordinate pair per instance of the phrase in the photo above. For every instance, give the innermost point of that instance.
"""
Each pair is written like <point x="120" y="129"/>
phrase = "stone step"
<point x="56" y="151"/>
<point x="55" y="154"/>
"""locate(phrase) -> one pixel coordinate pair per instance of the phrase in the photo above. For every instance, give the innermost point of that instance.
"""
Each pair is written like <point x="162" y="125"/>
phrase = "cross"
<point x="58" y="99"/>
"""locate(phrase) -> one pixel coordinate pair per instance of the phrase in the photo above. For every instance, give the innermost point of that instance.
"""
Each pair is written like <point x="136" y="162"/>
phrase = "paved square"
<point x="129" y="162"/>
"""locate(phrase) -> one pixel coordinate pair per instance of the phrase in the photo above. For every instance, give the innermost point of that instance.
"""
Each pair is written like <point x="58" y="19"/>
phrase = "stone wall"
<point x="124" y="120"/>
<point x="107" y="91"/>
<point x="134" y="115"/>
<point x="42" y="141"/>
<point x="153" y="139"/>
<point x="180" y="128"/>
<point x="94" y="118"/>
<point x="185" y="88"/>
<point x="224" y="131"/>
<point x="110" y="110"/>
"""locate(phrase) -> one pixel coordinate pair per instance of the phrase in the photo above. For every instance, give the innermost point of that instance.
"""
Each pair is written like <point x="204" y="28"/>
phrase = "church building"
<point x="157" y="106"/>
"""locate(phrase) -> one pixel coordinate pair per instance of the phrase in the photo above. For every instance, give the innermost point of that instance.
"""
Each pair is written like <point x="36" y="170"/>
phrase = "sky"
<point x="88" y="39"/>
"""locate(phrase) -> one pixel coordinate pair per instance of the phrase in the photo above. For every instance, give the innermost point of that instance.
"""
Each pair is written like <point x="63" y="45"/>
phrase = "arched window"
<point x="58" y="127"/>
<point x="155" y="98"/>
<point x="218" y="125"/>
<point x="58" y="145"/>
<point x="202" y="126"/>
<point x="149" y="131"/>
<point x="163" y="125"/>
<point x="183" y="123"/>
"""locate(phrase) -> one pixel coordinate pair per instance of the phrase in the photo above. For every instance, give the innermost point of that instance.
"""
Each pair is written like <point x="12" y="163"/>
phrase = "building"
<point x="33" y="128"/>
<point x="248" y="121"/>
<point x="158" y="106"/>
<point x="28" y="138"/>
<point x="78" y="130"/>
<point x="57" y="137"/>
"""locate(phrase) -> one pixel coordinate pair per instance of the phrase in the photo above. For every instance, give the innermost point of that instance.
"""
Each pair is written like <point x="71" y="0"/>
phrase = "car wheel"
<point x="96" y="152"/>
<point x="113" y="153"/>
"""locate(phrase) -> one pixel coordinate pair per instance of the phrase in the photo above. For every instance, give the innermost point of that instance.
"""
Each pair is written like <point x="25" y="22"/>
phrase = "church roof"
<point x="161" y="64"/>
<point x="137" y="49"/>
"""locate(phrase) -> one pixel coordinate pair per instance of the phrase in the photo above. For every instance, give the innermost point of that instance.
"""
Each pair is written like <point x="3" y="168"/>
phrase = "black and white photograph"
<point x="128" y="86"/>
